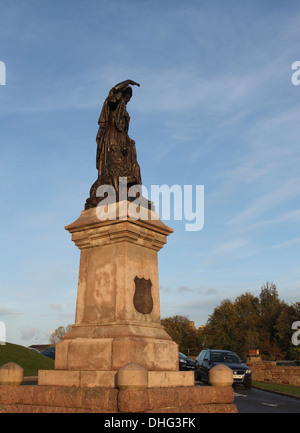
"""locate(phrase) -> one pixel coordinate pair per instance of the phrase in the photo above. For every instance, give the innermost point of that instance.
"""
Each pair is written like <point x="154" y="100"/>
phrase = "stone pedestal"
<point x="118" y="308"/>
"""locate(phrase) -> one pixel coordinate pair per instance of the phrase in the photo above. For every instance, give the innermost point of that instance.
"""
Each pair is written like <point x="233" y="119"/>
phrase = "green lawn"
<point x="29" y="359"/>
<point x="285" y="389"/>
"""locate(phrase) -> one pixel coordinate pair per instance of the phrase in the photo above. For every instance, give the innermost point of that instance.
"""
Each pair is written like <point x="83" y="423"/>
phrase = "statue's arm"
<point x="121" y="86"/>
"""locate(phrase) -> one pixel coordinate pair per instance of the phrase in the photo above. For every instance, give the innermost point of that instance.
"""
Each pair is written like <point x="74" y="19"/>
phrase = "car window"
<point x="217" y="357"/>
<point x="224" y="357"/>
<point x="204" y="355"/>
<point x="201" y="356"/>
<point x="232" y="357"/>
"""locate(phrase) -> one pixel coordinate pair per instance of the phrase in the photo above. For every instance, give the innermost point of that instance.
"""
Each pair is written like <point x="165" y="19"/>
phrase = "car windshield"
<point x="182" y="355"/>
<point x="224" y="357"/>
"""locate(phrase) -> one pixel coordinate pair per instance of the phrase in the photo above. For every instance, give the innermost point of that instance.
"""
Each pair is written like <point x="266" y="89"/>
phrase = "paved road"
<point x="256" y="401"/>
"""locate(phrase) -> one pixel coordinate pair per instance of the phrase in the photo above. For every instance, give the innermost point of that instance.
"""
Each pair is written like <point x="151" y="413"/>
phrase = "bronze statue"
<point x="116" y="152"/>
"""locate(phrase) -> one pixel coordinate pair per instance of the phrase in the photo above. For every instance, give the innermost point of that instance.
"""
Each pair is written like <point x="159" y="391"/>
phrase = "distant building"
<point x="192" y="324"/>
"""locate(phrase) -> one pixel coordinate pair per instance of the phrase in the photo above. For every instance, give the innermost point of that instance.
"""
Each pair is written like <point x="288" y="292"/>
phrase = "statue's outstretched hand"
<point x="133" y="83"/>
<point x="121" y="86"/>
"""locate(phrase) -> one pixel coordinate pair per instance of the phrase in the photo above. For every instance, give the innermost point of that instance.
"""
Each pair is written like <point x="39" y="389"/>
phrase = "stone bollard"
<point x="220" y="375"/>
<point x="132" y="376"/>
<point x="11" y="374"/>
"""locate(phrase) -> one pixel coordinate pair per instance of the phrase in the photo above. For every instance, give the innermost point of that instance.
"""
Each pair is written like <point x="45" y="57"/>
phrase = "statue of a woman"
<point x="116" y="153"/>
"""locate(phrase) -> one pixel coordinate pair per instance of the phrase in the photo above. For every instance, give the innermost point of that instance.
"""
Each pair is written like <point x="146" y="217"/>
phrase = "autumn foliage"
<point x="249" y="322"/>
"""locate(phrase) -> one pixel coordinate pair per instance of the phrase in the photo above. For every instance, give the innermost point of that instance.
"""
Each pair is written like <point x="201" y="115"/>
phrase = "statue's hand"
<point x="133" y="83"/>
<point x="121" y="86"/>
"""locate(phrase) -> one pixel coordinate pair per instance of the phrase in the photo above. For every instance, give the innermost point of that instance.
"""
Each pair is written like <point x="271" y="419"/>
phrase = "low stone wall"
<point x="54" y="399"/>
<point x="268" y="371"/>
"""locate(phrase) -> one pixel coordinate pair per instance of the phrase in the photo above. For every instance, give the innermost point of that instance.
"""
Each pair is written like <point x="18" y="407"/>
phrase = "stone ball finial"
<point x="221" y="375"/>
<point x="132" y="376"/>
<point x="11" y="374"/>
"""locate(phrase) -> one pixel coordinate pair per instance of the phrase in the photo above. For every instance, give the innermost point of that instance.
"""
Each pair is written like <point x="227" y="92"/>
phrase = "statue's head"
<point x="127" y="94"/>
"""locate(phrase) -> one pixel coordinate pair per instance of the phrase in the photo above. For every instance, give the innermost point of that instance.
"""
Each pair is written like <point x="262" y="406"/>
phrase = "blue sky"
<point x="216" y="107"/>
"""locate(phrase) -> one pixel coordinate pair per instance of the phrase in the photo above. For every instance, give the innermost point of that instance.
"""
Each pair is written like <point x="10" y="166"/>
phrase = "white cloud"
<point x="30" y="333"/>
<point x="278" y="195"/>
<point x="285" y="218"/>
<point x="182" y="289"/>
<point x="286" y="244"/>
<point x="55" y="307"/>
<point x="5" y="311"/>
<point x="230" y="246"/>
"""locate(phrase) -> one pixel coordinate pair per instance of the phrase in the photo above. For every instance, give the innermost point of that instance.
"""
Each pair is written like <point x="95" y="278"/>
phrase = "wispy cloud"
<point x="4" y="311"/>
<point x="183" y="289"/>
<point x="288" y="190"/>
<point x="57" y="307"/>
<point x="285" y="218"/>
<point x="30" y="333"/>
<point x="287" y="243"/>
<point x="230" y="246"/>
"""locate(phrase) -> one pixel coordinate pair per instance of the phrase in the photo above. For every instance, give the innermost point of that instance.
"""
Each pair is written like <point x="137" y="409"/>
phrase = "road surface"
<point x="257" y="401"/>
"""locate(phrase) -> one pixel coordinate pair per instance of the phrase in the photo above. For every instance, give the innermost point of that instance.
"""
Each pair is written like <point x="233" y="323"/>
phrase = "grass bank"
<point x="276" y="387"/>
<point x="30" y="360"/>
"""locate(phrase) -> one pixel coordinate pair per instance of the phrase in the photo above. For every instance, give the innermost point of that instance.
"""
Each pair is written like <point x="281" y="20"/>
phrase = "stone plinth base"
<point x="111" y="346"/>
<point x="58" y="399"/>
<point x="107" y="379"/>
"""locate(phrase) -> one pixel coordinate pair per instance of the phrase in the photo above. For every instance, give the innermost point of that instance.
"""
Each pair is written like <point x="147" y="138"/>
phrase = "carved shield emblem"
<point x="142" y="298"/>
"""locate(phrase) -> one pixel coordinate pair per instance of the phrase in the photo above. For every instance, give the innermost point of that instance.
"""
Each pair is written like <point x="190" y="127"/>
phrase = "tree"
<point x="183" y="332"/>
<point x="221" y="329"/>
<point x="252" y="322"/>
<point x="270" y="309"/>
<point x="247" y="310"/>
<point x="59" y="334"/>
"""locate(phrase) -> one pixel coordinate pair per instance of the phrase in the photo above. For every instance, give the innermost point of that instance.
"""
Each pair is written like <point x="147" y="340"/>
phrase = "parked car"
<point x="50" y="352"/>
<point x="208" y="358"/>
<point x="185" y="363"/>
